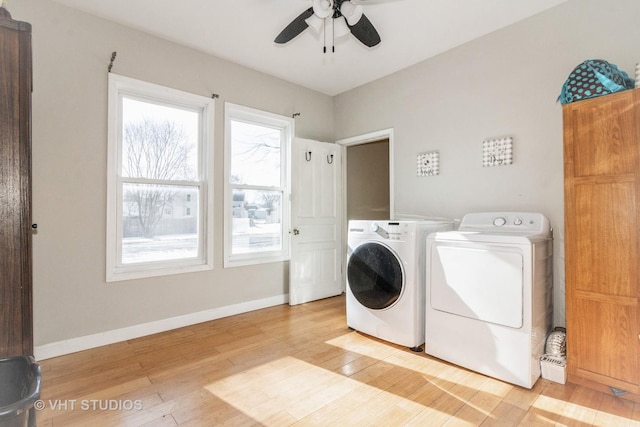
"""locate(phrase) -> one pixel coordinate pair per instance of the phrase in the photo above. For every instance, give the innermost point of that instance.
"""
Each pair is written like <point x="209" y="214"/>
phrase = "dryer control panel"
<point x="523" y="223"/>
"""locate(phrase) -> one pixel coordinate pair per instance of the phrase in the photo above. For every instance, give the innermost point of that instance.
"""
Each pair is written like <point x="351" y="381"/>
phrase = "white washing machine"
<point x="489" y="294"/>
<point x="385" y="279"/>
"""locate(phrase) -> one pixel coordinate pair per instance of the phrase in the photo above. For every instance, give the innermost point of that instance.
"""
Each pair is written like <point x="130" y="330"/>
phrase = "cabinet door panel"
<point x="605" y="254"/>
<point x="15" y="187"/>
<point x="603" y="337"/>
<point x="606" y="136"/>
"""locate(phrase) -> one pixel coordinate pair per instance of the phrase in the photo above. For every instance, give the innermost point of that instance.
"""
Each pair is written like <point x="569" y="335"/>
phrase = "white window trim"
<point x="121" y="85"/>
<point x="286" y="124"/>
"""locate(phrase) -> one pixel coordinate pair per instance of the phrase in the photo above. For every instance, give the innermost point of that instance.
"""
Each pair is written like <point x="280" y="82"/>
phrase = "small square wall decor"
<point x="497" y="152"/>
<point x="428" y="163"/>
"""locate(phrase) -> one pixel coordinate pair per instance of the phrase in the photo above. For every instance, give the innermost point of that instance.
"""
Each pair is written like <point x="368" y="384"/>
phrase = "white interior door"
<point x="315" y="270"/>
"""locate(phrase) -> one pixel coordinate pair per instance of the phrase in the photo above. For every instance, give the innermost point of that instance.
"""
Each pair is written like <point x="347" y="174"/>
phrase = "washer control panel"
<point x="396" y="230"/>
<point x="390" y="230"/>
<point x="505" y="222"/>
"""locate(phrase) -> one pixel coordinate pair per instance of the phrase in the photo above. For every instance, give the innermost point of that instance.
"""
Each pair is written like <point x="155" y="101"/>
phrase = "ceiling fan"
<point x="347" y="16"/>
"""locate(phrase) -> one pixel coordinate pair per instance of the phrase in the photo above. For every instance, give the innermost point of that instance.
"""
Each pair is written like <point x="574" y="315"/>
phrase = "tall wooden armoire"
<point x="16" y="324"/>
<point x="602" y="227"/>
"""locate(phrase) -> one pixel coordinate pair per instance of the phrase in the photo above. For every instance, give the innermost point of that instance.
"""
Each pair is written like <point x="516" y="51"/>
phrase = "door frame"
<point x="364" y="139"/>
<point x="358" y="140"/>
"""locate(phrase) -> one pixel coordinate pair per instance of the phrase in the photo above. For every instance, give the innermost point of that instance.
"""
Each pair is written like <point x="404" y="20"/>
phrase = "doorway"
<point x="368" y="176"/>
<point x="367" y="181"/>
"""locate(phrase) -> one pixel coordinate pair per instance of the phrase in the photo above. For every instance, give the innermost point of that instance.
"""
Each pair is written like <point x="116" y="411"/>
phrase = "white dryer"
<point x="489" y="294"/>
<point x="385" y="279"/>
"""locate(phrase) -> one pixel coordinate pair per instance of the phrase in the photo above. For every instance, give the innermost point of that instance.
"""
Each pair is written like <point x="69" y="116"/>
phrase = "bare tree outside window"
<point x="158" y="150"/>
<point x="160" y="189"/>
<point x="270" y="200"/>
<point x="256" y="155"/>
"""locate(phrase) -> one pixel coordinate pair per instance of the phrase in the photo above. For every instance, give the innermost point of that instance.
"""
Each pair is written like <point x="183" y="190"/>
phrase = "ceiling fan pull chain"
<point x="324" y="36"/>
<point x="333" y="34"/>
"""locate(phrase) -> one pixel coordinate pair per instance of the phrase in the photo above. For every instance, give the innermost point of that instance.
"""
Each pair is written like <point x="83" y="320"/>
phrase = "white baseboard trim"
<point x="73" y="345"/>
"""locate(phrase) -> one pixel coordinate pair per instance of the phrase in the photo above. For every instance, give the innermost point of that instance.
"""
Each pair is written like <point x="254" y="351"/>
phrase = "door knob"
<point x="296" y="231"/>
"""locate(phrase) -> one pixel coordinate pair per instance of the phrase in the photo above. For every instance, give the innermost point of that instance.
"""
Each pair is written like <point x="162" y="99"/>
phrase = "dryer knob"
<point x="374" y="227"/>
<point x="499" y="222"/>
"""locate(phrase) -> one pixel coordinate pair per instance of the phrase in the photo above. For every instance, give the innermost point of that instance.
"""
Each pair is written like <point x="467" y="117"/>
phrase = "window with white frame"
<point x="257" y="173"/>
<point x="159" y="213"/>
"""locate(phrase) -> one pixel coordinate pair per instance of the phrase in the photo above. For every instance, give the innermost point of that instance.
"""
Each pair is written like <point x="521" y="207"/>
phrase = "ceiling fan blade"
<point x="364" y="31"/>
<point x="296" y="26"/>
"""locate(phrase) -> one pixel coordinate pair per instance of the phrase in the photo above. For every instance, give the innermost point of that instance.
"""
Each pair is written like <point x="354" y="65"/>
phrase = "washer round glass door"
<point x="375" y="276"/>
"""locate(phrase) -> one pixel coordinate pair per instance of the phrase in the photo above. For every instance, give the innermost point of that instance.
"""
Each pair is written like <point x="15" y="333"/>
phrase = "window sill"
<point x="132" y="273"/>
<point x="252" y="259"/>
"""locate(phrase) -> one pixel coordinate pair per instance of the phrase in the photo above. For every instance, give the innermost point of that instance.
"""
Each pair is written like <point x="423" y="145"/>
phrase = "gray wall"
<point x="504" y="84"/>
<point x="71" y="52"/>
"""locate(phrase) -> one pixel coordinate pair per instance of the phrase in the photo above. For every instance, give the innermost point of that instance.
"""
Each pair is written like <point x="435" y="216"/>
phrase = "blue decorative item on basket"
<point x="594" y="77"/>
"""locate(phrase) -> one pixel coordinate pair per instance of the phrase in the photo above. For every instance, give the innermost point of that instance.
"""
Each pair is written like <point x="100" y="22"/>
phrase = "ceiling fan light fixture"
<point x="340" y="28"/>
<point x="352" y="12"/>
<point x="315" y="23"/>
<point x="323" y="8"/>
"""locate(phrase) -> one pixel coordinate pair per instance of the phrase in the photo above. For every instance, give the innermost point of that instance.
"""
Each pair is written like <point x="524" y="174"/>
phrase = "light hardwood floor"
<point x="298" y="366"/>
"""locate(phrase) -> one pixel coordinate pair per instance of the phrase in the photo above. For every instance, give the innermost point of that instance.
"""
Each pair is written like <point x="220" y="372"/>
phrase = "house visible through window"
<point x="159" y="168"/>
<point x="257" y="190"/>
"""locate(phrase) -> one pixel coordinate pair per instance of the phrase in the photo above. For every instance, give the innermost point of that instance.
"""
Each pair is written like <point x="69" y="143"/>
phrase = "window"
<point x="160" y="167"/>
<point x="257" y="186"/>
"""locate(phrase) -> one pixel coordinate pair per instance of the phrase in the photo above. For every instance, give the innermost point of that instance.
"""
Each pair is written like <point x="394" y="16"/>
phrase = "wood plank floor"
<point x="297" y="366"/>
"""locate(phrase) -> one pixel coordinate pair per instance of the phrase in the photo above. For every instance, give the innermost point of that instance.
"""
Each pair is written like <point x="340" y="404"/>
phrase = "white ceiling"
<point x="243" y="31"/>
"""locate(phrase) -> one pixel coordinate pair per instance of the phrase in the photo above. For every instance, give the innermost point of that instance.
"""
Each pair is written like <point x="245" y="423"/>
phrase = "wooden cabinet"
<point x="602" y="253"/>
<point x="16" y="330"/>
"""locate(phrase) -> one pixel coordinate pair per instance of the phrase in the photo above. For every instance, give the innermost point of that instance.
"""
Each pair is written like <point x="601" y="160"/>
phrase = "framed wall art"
<point x="428" y="164"/>
<point x="497" y="152"/>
